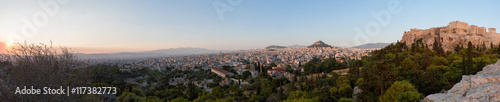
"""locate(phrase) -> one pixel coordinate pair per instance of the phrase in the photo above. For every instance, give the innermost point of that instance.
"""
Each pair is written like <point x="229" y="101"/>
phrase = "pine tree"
<point x="396" y="57"/>
<point x="457" y="48"/>
<point x="464" y="69"/>
<point x="491" y="45"/>
<point x="484" y="47"/>
<point x="469" y="62"/>
<point x="437" y="47"/>
<point x="498" y="49"/>
<point x="192" y="91"/>
<point x="255" y="66"/>
<point x="470" y="48"/>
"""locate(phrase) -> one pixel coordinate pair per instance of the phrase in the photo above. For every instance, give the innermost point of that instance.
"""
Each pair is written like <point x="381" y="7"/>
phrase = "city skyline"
<point x="127" y="26"/>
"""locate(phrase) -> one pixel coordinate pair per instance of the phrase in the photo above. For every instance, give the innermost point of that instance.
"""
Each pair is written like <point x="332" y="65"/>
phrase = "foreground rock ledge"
<point x="482" y="87"/>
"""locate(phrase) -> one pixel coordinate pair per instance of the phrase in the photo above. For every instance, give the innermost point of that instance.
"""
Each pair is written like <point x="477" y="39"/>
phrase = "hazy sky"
<point x="94" y="26"/>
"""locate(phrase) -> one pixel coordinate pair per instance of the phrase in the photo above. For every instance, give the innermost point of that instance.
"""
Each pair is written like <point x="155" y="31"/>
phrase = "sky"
<point x="97" y="26"/>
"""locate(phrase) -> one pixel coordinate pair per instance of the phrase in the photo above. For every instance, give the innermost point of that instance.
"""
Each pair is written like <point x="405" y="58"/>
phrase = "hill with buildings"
<point x="319" y="44"/>
<point x="455" y="34"/>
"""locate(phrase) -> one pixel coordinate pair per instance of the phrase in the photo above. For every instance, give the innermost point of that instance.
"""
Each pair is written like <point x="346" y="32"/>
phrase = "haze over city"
<point x="90" y="26"/>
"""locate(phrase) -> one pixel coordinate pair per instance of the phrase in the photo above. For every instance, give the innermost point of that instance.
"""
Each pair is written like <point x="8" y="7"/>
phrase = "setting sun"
<point x="9" y="44"/>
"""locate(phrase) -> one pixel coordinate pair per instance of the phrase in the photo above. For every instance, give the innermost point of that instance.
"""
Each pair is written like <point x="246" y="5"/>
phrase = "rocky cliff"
<point x="482" y="87"/>
<point x="456" y="33"/>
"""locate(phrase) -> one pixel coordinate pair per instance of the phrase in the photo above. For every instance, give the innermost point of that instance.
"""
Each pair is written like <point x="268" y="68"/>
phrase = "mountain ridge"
<point x="181" y="51"/>
<point x="372" y="45"/>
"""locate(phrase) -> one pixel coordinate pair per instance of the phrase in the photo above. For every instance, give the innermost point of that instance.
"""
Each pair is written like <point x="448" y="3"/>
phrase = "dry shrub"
<point x="40" y="65"/>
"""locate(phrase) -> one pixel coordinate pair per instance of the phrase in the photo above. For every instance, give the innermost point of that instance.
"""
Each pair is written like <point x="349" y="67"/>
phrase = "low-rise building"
<point x="276" y="72"/>
<point x="221" y="72"/>
<point x="255" y="73"/>
<point x="301" y="69"/>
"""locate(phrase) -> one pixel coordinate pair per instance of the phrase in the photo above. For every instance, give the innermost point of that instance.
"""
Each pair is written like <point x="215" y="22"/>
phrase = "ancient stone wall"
<point x="481" y="30"/>
<point x="492" y="30"/>
<point x="459" y="25"/>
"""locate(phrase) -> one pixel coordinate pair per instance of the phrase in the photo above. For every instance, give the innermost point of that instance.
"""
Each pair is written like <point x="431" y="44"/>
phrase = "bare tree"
<point x="40" y="66"/>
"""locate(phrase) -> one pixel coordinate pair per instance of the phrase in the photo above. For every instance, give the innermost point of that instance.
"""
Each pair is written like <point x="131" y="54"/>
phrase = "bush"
<point x="346" y="100"/>
<point x="401" y="91"/>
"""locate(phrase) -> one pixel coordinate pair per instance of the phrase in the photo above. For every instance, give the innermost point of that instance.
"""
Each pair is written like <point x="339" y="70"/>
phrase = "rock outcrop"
<point x="482" y="87"/>
<point x="456" y="33"/>
<point x="355" y="93"/>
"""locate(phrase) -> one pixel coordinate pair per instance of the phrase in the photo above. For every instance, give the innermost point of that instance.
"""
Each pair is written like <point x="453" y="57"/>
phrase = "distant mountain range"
<point x="280" y="47"/>
<point x="183" y="51"/>
<point x="275" y="47"/>
<point x="293" y="46"/>
<point x="372" y="45"/>
<point x="149" y="54"/>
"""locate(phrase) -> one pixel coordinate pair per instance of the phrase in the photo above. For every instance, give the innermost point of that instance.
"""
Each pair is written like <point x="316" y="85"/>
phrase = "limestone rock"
<point x="355" y="93"/>
<point x="482" y="87"/>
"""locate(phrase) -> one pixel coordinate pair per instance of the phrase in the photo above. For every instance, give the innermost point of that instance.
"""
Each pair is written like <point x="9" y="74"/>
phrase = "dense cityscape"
<point x="282" y="57"/>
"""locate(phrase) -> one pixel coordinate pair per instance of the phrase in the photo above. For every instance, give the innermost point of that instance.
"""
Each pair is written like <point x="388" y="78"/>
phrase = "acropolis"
<point x="454" y="33"/>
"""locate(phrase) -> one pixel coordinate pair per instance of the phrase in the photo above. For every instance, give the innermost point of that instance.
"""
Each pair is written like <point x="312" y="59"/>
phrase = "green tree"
<point x="246" y="74"/>
<point x="457" y="48"/>
<point x="217" y="92"/>
<point x="310" y="67"/>
<point x="498" y="49"/>
<point x="257" y="67"/>
<point x="266" y="88"/>
<point x="438" y="47"/>
<point x="180" y="99"/>
<point x="401" y="91"/>
<point x="257" y="98"/>
<point x="408" y="63"/>
<point x="353" y="73"/>
<point x="491" y="45"/>
<point x="247" y="67"/>
<point x="130" y="97"/>
<point x="346" y="100"/>
<point x="192" y="91"/>
<point x="469" y="63"/>
<point x="273" y="64"/>
<point x="344" y="88"/>
<point x="152" y="99"/>
<point x="297" y="94"/>
<point x="464" y="65"/>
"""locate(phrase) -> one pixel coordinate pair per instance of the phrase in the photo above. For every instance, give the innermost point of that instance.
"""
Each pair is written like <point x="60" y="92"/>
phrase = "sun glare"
<point x="9" y="44"/>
